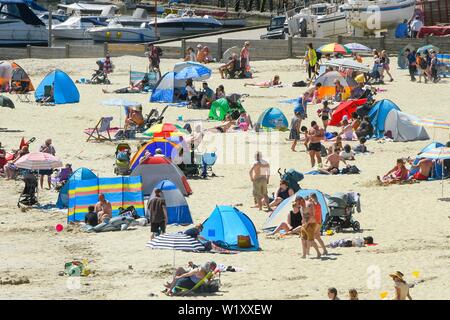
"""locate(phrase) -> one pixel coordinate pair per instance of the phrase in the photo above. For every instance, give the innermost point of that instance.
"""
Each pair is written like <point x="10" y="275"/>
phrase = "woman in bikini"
<point x="324" y="114"/>
<point x="266" y="84"/>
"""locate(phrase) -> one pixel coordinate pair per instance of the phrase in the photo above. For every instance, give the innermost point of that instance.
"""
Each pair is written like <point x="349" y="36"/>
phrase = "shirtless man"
<point x="315" y="135"/>
<point x="318" y="215"/>
<point x="309" y="226"/>
<point x="103" y="209"/>
<point x="259" y="175"/>
<point x="425" y="166"/>
<point x="333" y="159"/>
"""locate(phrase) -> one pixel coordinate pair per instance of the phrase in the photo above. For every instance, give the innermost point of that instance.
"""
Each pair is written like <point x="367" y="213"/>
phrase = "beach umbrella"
<point x="38" y="161"/>
<point x="428" y="48"/>
<point x="165" y="130"/>
<point x="357" y="47"/>
<point x="6" y="102"/>
<point x="347" y="64"/>
<point x="194" y="72"/>
<point x="441" y="154"/>
<point x="334" y="48"/>
<point x="441" y="124"/>
<point x="175" y="241"/>
<point x="120" y="103"/>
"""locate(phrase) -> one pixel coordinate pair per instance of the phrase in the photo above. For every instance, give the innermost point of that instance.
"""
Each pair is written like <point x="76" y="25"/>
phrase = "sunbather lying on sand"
<point x="266" y="84"/>
<point x="396" y="175"/>
<point x="133" y="88"/>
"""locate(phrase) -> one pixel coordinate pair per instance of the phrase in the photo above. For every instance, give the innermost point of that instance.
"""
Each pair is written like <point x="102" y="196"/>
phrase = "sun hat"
<point x="397" y="274"/>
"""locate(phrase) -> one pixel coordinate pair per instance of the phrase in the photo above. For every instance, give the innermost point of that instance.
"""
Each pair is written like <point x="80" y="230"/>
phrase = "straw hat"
<point x="397" y="274"/>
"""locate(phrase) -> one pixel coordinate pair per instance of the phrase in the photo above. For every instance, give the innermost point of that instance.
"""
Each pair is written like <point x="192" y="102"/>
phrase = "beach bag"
<point x="244" y="241"/>
<point x="299" y="84"/>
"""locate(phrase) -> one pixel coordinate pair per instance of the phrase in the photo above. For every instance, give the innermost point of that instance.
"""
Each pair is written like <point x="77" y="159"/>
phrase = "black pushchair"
<point x="99" y="76"/>
<point x="292" y="177"/>
<point x="341" y="207"/>
<point x="28" y="197"/>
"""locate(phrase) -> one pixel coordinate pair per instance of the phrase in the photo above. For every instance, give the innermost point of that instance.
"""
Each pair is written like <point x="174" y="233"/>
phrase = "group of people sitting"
<point x="203" y="55"/>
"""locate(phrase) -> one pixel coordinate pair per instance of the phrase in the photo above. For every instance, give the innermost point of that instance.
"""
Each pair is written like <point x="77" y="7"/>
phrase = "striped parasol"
<point x="175" y="241"/>
<point x="38" y="161"/>
<point x="432" y="123"/>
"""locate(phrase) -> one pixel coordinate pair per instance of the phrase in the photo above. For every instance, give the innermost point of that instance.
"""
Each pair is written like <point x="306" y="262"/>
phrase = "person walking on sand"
<point x="401" y="287"/>
<point x="308" y="226"/>
<point x="259" y="175"/>
<point x="311" y="57"/>
<point x="318" y="217"/>
<point x="157" y="214"/>
<point x="294" y="133"/>
<point x="47" y="147"/>
<point x="315" y="135"/>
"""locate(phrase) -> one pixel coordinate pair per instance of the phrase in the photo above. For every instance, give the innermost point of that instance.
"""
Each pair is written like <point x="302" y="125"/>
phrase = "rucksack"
<point x="422" y="63"/>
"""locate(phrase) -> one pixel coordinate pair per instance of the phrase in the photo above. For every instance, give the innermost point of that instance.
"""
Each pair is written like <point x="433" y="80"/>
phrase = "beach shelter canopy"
<point x="38" y="161"/>
<point x="177" y="208"/>
<point x="225" y="224"/>
<point x="437" y="170"/>
<point x="221" y="107"/>
<point x="347" y="64"/>
<point x="78" y="175"/>
<point x="155" y="169"/>
<point x="386" y="116"/>
<point x="402" y="127"/>
<point x="334" y="48"/>
<point x="6" y="102"/>
<point x="273" y="118"/>
<point x="345" y="108"/>
<point x="11" y="72"/>
<point x="175" y="241"/>
<point x="64" y="89"/>
<point x="327" y="81"/>
<point x="165" y="145"/>
<point x="441" y="153"/>
<point x="169" y="86"/>
<point x="281" y="213"/>
<point x="165" y="130"/>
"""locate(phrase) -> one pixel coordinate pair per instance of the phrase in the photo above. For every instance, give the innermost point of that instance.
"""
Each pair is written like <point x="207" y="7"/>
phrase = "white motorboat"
<point x="88" y="8"/>
<point x="139" y="17"/>
<point x="319" y="20"/>
<point x="75" y="27"/>
<point x="186" y="23"/>
<point x="369" y="16"/>
<point x="20" y="26"/>
<point x="116" y="32"/>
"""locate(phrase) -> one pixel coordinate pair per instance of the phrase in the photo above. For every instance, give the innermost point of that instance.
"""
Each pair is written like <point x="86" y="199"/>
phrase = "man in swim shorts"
<point x="259" y="175"/>
<point x="315" y="135"/>
<point x="425" y="166"/>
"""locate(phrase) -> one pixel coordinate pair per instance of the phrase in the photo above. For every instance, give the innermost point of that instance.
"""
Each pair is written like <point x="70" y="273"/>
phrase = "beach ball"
<point x="59" y="227"/>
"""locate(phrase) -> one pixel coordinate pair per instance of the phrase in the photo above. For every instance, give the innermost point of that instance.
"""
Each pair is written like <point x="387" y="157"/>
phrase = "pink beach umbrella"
<point x="38" y="161"/>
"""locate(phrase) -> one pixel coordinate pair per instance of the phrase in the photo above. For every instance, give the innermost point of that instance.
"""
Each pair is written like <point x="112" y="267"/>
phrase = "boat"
<point x="185" y="23"/>
<point x="139" y="17"/>
<point x="90" y="9"/>
<point x="116" y="32"/>
<point x="232" y="22"/>
<point x="319" y="20"/>
<point x="370" y="16"/>
<point x="20" y="26"/>
<point x="75" y="27"/>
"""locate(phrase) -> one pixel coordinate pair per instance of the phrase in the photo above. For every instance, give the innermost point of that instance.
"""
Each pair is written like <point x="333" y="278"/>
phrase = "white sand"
<point x="408" y="222"/>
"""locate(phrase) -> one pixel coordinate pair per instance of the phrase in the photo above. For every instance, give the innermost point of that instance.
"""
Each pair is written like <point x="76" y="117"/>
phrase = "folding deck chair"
<point x="22" y="92"/>
<point x="101" y="131"/>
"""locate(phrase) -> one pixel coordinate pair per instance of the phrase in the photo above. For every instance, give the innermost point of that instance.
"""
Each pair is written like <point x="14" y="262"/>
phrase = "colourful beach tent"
<point x="272" y="119"/>
<point x="226" y="224"/>
<point x="281" y="213"/>
<point x="64" y="89"/>
<point x="327" y="88"/>
<point x="10" y="73"/>
<point x="167" y="147"/>
<point x="177" y="207"/>
<point x="78" y="175"/>
<point x="221" y="107"/>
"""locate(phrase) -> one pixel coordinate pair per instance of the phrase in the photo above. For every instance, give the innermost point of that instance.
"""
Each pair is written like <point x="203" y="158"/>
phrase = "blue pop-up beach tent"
<point x="436" y="172"/>
<point x="281" y="213"/>
<point x="273" y="119"/>
<point x="177" y="208"/>
<point x="379" y="113"/>
<point x="225" y="224"/>
<point x="64" y="89"/>
<point x="79" y="175"/>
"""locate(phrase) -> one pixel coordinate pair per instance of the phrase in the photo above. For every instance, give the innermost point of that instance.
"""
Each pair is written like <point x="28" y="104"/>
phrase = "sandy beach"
<point x="410" y="223"/>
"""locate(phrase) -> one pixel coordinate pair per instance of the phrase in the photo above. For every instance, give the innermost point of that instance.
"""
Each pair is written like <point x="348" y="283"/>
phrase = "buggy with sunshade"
<point x="28" y="197"/>
<point x="342" y="206"/>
